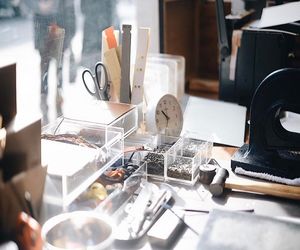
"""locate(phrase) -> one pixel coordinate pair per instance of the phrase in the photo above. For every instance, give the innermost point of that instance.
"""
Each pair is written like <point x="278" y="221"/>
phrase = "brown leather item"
<point x="28" y="235"/>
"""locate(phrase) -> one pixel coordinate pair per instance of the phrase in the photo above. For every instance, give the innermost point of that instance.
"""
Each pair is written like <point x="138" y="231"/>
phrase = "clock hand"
<point x="167" y="117"/>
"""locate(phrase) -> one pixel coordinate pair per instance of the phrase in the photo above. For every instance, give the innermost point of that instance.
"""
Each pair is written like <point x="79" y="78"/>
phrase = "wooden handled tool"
<point x="220" y="182"/>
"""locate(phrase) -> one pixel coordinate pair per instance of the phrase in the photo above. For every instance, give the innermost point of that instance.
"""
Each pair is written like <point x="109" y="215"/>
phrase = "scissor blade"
<point x="102" y="81"/>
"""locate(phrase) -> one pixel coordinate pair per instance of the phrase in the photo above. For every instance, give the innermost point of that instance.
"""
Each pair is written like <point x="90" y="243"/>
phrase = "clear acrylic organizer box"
<point x="157" y="159"/>
<point x="185" y="158"/>
<point x="77" y="153"/>
<point x="110" y="114"/>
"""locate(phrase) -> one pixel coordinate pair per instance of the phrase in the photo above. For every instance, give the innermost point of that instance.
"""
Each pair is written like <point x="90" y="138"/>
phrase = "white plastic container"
<point x="165" y="73"/>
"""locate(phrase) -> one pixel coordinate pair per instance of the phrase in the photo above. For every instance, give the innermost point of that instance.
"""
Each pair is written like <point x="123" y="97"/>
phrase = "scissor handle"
<point x="103" y="90"/>
<point x="87" y="71"/>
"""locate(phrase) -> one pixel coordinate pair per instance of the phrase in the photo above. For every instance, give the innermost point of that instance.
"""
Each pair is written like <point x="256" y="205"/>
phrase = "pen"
<point x="250" y="210"/>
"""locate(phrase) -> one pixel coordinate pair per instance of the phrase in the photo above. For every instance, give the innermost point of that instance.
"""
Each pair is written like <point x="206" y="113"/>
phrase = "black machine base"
<point x="284" y="164"/>
<point x="273" y="152"/>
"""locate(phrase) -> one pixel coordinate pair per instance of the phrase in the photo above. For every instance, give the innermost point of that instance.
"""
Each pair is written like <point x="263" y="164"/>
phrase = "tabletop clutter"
<point x="111" y="171"/>
<point x="117" y="175"/>
<point x="123" y="170"/>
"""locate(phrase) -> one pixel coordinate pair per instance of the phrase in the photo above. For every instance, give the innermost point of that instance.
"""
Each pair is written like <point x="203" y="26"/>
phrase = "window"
<point x="52" y="41"/>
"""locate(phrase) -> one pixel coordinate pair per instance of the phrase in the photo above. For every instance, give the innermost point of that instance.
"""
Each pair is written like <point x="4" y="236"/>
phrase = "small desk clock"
<point x="164" y="116"/>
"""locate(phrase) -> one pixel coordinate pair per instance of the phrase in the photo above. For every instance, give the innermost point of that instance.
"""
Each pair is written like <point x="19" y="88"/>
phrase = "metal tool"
<point x="101" y="92"/>
<point x="141" y="214"/>
<point x="138" y="211"/>
<point x="207" y="172"/>
<point x="153" y="209"/>
<point x="113" y="203"/>
<point x="220" y="182"/>
<point x="272" y="150"/>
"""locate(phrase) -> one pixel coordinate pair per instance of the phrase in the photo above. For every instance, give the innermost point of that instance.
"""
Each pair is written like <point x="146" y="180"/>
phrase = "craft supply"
<point x="106" y="44"/>
<point x="111" y="58"/>
<point x="28" y="233"/>
<point x="165" y="230"/>
<point x="78" y="230"/>
<point x="191" y="147"/>
<point x="206" y="211"/>
<point x="167" y="206"/>
<point x="93" y="80"/>
<point x="118" y="174"/>
<point x="185" y="158"/>
<point x="83" y="152"/>
<point x="113" y="175"/>
<point x="110" y="37"/>
<point x="156" y="160"/>
<point x="138" y="211"/>
<point x="114" y="69"/>
<point x="140" y="65"/>
<point x="112" y="187"/>
<point x="71" y="139"/>
<point x="181" y="168"/>
<point x="247" y="231"/>
<point x="207" y="173"/>
<point x="125" y="91"/>
<point x="97" y="191"/>
<point x="116" y="178"/>
<point x="142" y="214"/>
<point x="117" y="199"/>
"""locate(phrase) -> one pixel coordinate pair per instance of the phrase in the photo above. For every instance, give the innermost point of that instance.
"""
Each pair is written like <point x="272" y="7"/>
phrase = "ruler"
<point x="125" y="91"/>
<point x="140" y="65"/>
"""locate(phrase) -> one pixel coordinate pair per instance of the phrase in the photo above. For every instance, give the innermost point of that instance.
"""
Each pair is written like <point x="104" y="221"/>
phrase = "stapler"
<point x="273" y="153"/>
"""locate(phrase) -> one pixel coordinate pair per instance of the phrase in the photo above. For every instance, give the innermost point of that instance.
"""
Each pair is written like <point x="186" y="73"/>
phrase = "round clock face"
<point x="168" y="116"/>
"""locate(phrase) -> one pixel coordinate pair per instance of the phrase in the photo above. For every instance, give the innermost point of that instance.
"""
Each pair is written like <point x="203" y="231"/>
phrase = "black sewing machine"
<point x="259" y="52"/>
<point x="273" y="152"/>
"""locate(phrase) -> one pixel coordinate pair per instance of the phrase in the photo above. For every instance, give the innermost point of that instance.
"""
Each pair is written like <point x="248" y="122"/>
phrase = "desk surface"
<point x="198" y="197"/>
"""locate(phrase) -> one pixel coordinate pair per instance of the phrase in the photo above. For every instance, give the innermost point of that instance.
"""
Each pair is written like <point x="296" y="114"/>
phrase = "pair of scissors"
<point x="101" y="92"/>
